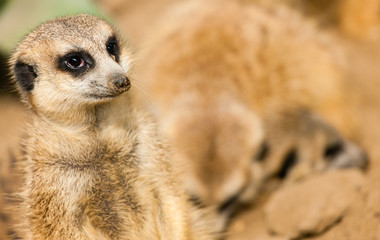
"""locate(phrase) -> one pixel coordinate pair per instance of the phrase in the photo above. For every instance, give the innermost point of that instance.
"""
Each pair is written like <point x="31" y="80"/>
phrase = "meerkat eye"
<point x="75" y="62"/>
<point x="332" y="150"/>
<point x="113" y="48"/>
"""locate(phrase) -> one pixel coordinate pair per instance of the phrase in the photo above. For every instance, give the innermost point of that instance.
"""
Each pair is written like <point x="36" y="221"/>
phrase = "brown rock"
<point x="250" y="225"/>
<point x="313" y="205"/>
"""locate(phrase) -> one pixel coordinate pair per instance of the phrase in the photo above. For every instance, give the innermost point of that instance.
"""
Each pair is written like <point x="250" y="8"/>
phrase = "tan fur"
<point x="95" y="167"/>
<point x="359" y="18"/>
<point x="220" y="72"/>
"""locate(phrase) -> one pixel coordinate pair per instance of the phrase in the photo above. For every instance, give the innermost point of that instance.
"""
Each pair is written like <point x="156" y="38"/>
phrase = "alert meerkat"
<point x="242" y="91"/>
<point x="95" y="167"/>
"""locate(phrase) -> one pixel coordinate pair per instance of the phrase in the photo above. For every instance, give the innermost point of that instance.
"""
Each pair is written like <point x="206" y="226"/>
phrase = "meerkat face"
<point x="74" y="60"/>
<point x="217" y="152"/>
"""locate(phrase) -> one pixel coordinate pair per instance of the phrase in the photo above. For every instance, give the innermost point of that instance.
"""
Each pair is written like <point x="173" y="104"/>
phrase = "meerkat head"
<point x="217" y="149"/>
<point x="71" y="61"/>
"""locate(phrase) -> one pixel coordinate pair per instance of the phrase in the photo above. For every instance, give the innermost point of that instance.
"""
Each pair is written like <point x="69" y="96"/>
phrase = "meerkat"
<point x="95" y="167"/>
<point x="243" y="92"/>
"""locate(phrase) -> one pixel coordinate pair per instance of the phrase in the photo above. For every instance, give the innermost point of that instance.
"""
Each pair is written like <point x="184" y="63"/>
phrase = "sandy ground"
<point x="337" y="206"/>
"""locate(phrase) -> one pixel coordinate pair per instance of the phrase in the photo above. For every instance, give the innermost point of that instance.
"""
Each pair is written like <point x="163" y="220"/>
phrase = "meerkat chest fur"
<point x="91" y="171"/>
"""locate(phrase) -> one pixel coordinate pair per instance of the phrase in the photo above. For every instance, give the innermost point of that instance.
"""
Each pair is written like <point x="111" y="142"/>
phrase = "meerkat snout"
<point x="122" y="84"/>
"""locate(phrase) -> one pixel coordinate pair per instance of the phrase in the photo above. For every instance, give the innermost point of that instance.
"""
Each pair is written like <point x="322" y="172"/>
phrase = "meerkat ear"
<point x="25" y="75"/>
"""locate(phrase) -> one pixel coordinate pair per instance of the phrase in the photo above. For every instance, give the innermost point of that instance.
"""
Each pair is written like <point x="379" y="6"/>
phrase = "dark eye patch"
<point x="25" y="75"/>
<point x="333" y="150"/>
<point x="290" y="161"/>
<point x="76" y="62"/>
<point x="228" y="203"/>
<point x="263" y="152"/>
<point x="196" y="201"/>
<point x="113" y="48"/>
<point x="232" y="201"/>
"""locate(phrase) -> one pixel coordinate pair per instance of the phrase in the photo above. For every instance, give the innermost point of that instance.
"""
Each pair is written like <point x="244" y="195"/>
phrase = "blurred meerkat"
<point x="241" y="91"/>
<point x="95" y="167"/>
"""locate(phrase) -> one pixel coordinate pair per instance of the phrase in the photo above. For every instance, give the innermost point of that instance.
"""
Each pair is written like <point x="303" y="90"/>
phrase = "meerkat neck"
<point x="80" y="117"/>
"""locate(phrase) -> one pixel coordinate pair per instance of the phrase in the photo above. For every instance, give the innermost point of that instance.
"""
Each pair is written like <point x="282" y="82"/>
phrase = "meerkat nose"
<point x="122" y="84"/>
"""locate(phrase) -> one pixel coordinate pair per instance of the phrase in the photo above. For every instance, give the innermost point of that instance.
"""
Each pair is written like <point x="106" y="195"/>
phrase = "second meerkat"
<point x="95" y="167"/>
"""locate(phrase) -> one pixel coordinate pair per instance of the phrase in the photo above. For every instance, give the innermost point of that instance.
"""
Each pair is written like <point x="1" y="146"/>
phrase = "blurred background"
<point x="354" y="23"/>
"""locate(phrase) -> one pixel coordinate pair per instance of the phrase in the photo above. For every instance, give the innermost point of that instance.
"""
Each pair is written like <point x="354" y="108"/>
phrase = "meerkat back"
<point x="95" y="167"/>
